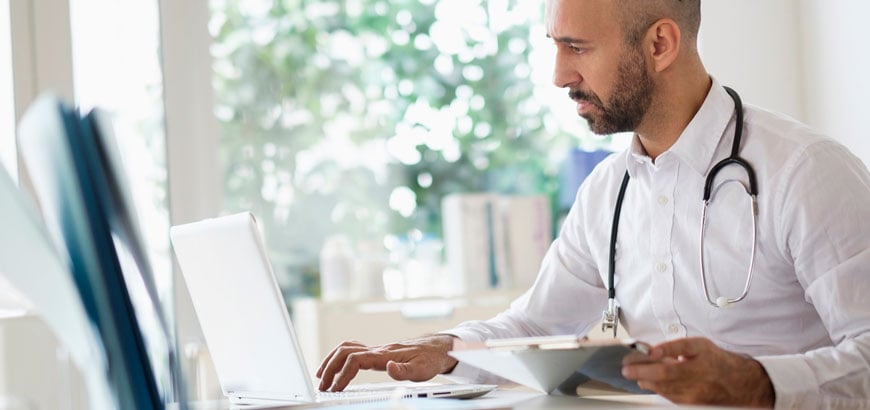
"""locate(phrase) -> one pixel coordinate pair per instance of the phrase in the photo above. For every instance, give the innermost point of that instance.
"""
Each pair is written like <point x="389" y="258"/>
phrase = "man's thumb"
<point x="398" y="371"/>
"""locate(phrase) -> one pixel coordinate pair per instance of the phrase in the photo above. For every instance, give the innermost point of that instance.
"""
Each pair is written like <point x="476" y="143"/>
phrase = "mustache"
<point x="585" y="96"/>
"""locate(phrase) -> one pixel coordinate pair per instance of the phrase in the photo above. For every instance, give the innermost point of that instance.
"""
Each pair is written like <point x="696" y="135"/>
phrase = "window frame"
<point x="41" y="56"/>
<point x="41" y="48"/>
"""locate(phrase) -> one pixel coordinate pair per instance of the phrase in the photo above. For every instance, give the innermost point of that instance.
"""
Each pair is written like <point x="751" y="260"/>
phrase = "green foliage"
<point x="313" y="94"/>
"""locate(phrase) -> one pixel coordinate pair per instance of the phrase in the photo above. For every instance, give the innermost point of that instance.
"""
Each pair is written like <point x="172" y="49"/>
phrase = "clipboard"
<point x="555" y="363"/>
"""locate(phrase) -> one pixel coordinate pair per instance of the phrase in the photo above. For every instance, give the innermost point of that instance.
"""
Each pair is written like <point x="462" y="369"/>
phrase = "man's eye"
<point x="575" y="48"/>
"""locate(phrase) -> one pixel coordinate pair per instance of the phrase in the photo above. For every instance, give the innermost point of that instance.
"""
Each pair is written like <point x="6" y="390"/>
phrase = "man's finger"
<point x="336" y="363"/>
<point x="332" y="353"/>
<point x="398" y="371"/>
<point x="415" y="370"/>
<point x="670" y="391"/>
<point x="649" y="386"/>
<point x="355" y="362"/>
<point x="665" y="370"/>
<point x="637" y="358"/>
<point x="325" y="361"/>
<point x="689" y="347"/>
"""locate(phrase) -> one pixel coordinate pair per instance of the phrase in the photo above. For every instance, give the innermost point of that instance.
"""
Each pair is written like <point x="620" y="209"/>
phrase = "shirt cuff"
<point x="794" y="382"/>
<point x="463" y="373"/>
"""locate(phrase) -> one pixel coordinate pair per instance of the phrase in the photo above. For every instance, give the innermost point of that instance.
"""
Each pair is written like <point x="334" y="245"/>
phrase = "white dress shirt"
<point x="806" y="317"/>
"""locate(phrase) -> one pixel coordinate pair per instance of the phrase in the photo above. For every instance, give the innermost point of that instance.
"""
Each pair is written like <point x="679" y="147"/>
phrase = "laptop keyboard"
<point x="364" y="395"/>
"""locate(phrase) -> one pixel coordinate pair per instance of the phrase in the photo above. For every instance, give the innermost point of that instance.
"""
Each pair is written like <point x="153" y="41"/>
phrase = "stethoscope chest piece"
<point x="610" y="317"/>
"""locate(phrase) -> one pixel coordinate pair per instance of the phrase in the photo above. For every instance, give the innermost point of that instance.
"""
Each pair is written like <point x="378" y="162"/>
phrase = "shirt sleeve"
<point x="567" y="297"/>
<point x="825" y="227"/>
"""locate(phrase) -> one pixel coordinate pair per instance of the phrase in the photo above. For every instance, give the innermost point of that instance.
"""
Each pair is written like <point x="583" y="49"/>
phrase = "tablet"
<point x="547" y="363"/>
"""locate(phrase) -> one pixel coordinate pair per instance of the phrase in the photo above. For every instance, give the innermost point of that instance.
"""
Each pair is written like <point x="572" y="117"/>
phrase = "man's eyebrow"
<point x="568" y="40"/>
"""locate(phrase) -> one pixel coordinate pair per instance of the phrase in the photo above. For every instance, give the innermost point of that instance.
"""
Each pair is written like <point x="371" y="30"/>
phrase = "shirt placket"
<point x="661" y="206"/>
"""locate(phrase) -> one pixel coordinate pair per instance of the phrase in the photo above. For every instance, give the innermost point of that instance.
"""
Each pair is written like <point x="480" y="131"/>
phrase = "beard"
<point x="630" y="100"/>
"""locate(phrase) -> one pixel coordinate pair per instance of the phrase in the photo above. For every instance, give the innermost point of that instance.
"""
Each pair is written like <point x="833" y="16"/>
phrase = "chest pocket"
<point x="632" y="251"/>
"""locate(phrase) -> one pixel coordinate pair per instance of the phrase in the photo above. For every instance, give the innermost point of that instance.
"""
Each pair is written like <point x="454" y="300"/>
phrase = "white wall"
<point x="35" y="370"/>
<point x="752" y="46"/>
<point x="803" y="58"/>
<point x="836" y="59"/>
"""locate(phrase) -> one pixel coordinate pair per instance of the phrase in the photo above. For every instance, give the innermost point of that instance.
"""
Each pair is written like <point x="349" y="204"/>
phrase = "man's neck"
<point x="675" y="105"/>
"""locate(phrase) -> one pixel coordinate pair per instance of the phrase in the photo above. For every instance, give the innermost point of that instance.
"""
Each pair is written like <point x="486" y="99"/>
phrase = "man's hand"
<point x="416" y="360"/>
<point x="696" y="371"/>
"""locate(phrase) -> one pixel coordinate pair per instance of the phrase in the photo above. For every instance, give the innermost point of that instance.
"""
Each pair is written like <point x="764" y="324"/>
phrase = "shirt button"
<point x="661" y="267"/>
<point x="673" y="329"/>
<point x="663" y="200"/>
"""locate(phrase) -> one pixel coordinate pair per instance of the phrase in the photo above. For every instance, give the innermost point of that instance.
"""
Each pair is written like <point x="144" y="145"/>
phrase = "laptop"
<point x="244" y="320"/>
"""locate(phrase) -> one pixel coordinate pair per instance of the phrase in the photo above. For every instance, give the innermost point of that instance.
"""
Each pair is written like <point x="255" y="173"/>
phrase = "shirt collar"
<point x="636" y="156"/>
<point x="698" y="141"/>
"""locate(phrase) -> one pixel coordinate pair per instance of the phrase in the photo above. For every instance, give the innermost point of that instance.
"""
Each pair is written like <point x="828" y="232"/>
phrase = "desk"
<point x="508" y="397"/>
<point x="520" y="398"/>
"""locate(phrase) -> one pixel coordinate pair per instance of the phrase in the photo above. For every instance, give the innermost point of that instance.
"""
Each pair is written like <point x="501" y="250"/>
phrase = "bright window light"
<point x="7" y="110"/>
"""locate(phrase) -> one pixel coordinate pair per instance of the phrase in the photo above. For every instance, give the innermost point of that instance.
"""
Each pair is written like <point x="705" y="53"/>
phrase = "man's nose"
<point x="565" y="74"/>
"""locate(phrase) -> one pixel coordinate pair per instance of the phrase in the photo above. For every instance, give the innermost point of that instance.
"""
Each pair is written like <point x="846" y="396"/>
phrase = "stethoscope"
<point x="610" y="317"/>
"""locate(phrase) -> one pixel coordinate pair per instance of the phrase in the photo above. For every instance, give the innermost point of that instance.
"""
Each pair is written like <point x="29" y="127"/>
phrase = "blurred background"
<point x="367" y="135"/>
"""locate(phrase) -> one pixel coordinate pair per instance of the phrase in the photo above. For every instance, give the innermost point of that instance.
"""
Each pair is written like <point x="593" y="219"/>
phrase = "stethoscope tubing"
<point x="611" y="315"/>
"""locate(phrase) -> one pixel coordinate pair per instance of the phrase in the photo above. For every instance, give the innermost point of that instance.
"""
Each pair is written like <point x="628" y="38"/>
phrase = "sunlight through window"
<point x="7" y="104"/>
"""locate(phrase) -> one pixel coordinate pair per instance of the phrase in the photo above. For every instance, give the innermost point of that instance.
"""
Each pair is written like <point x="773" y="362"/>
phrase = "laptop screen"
<point x="240" y="309"/>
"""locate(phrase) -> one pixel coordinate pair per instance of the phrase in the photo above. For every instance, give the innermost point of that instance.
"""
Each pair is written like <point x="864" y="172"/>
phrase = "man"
<point x="799" y="337"/>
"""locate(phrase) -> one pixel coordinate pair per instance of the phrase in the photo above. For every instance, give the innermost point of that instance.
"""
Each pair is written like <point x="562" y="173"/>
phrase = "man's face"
<point x="605" y="76"/>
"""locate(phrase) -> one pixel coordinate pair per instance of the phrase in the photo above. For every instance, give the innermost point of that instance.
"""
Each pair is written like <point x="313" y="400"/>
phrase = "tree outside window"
<point x="359" y="116"/>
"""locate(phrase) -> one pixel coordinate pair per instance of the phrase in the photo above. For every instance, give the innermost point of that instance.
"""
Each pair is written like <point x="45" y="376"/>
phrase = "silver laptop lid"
<point x="241" y="311"/>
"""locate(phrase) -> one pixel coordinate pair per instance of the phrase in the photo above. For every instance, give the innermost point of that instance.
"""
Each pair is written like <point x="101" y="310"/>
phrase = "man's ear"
<point x="664" y="40"/>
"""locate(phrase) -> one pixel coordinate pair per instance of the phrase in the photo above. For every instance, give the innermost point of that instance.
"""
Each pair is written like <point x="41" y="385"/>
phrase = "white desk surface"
<point x="506" y="397"/>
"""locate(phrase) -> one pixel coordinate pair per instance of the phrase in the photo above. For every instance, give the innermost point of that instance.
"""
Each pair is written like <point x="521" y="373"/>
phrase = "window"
<point x="10" y="303"/>
<point x="357" y="117"/>
<point x="120" y="74"/>
<point x="7" y="111"/>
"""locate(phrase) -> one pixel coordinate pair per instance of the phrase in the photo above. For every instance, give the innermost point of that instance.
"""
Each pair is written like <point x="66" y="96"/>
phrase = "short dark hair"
<point x="639" y="15"/>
